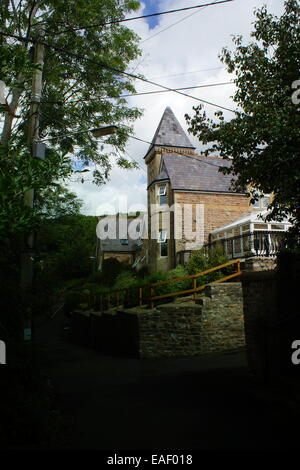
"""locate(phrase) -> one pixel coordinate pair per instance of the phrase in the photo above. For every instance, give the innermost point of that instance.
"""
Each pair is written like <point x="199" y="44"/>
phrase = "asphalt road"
<point x="207" y="402"/>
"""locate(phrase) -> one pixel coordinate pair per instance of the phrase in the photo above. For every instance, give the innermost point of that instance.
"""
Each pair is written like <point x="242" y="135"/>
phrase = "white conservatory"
<point x="250" y="235"/>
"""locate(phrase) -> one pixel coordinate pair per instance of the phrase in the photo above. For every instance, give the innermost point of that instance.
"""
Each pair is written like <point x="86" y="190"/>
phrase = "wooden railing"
<point x="144" y="294"/>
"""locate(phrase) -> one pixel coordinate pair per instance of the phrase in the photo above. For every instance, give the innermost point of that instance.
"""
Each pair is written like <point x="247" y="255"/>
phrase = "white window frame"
<point x="259" y="203"/>
<point x="162" y="190"/>
<point x="162" y="236"/>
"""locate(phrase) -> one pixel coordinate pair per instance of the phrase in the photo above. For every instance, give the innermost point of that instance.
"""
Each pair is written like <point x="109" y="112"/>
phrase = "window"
<point x="162" y="193"/>
<point x="277" y="227"/>
<point x="162" y="240"/>
<point x="164" y="250"/>
<point x="246" y="228"/>
<point x="262" y="202"/>
<point x="265" y="202"/>
<point x="260" y="227"/>
<point x="124" y="241"/>
<point x="162" y="237"/>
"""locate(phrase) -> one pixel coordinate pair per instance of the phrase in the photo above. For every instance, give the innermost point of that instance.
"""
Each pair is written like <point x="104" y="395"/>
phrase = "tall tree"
<point x="82" y="88"/>
<point x="263" y="139"/>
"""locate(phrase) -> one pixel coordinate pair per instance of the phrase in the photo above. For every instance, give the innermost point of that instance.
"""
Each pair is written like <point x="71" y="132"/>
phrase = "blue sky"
<point x="151" y="7"/>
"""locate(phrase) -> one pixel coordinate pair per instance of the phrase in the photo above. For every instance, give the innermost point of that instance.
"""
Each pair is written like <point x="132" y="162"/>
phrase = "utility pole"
<point x="33" y="136"/>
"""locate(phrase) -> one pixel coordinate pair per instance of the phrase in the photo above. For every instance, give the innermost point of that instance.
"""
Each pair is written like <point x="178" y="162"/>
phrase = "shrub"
<point x="111" y="268"/>
<point x="126" y="279"/>
<point x="179" y="271"/>
<point x="203" y="259"/>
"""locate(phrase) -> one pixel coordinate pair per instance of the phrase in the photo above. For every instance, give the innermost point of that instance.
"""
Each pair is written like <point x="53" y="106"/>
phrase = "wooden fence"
<point x="144" y="294"/>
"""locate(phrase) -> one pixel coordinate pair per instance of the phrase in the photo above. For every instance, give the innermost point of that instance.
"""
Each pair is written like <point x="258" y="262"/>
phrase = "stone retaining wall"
<point x="272" y="321"/>
<point x="222" y="318"/>
<point x="170" y="330"/>
<point x="259" y="263"/>
<point x="186" y="329"/>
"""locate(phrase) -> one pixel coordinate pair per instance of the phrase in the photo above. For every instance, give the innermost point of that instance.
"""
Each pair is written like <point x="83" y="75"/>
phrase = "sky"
<point x="175" y="55"/>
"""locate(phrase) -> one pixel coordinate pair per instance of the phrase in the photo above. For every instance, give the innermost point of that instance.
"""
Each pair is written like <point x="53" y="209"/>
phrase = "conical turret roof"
<point x="170" y="133"/>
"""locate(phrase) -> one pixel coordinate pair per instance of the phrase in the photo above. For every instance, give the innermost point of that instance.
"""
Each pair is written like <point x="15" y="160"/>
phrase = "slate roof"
<point x="170" y="133"/>
<point x="196" y="173"/>
<point x="115" y="245"/>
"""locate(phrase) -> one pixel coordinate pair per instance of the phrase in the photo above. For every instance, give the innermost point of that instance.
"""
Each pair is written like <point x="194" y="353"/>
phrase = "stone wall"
<point x="173" y="329"/>
<point x="272" y="322"/>
<point x="259" y="263"/>
<point x="126" y="258"/>
<point x="170" y="330"/>
<point x="222" y="318"/>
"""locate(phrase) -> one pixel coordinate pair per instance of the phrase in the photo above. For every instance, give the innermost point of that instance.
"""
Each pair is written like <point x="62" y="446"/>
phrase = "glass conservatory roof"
<point x="250" y="218"/>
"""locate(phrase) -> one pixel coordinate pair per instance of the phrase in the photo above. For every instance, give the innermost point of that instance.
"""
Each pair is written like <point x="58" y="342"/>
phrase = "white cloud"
<point x="192" y="45"/>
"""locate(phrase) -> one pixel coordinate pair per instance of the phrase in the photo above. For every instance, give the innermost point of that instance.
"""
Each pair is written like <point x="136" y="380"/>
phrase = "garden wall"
<point x="272" y="320"/>
<point x="215" y="324"/>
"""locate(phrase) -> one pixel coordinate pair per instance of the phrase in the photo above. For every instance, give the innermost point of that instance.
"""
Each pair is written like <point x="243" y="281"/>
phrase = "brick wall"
<point x="219" y="210"/>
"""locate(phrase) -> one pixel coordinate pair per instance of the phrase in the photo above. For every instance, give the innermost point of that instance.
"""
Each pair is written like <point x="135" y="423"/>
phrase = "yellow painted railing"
<point x="144" y="294"/>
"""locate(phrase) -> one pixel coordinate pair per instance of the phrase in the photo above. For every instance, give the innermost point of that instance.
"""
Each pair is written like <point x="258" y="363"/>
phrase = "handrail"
<point x="139" y="288"/>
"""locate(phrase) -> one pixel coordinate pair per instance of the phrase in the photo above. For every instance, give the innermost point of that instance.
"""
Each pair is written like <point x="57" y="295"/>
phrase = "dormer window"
<point x="162" y="194"/>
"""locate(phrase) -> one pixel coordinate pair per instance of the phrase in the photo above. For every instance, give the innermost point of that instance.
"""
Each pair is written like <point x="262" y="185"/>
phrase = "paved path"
<point x="187" y="403"/>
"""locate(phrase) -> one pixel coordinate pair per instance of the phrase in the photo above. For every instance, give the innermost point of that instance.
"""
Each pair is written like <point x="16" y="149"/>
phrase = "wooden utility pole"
<point x="33" y="136"/>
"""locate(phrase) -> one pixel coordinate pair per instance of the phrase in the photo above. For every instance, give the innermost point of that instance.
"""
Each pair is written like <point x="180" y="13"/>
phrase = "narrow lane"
<point x="184" y="403"/>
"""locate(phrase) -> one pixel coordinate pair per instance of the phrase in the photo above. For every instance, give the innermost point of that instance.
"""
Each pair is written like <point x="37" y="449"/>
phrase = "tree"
<point x="66" y="246"/>
<point x="263" y="140"/>
<point x="82" y="88"/>
<point x="57" y="201"/>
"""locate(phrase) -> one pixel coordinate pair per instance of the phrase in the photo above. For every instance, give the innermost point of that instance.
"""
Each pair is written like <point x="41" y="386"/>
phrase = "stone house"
<point x="188" y="197"/>
<point x="123" y="240"/>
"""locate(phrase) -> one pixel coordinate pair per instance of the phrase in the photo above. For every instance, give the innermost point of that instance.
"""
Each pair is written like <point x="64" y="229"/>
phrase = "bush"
<point x="203" y="259"/>
<point x="111" y="268"/>
<point x="179" y="271"/>
<point x="126" y="279"/>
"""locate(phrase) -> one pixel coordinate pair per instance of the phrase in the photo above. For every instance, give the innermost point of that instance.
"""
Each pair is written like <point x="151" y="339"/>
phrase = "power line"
<point x="186" y="73"/>
<point x="120" y="72"/>
<point x="108" y="67"/>
<point x="139" y="94"/>
<point x="107" y="23"/>
<point x="167" y="150"/>
<point x="173" y="24"/>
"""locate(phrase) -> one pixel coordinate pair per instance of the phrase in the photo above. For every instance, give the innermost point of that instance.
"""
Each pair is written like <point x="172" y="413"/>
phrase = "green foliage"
<point x="126" y="279"/>
<point x="263" y="139"/>
<point x="19" y="173"/>
<point x="66" y="248"/>
<point x="56" y="201"/>
<point x="179" y="271"/>
<point x="78" y="94"/>
<point x="204" y="259"/>
<point x="111" y="269"/>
